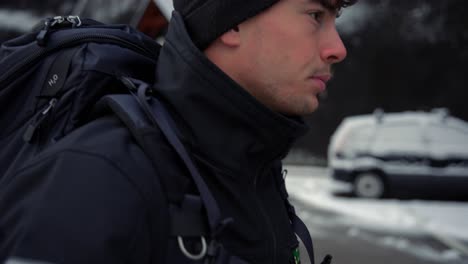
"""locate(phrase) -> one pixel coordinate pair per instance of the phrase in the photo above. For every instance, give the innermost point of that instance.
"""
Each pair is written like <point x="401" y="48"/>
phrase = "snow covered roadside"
<point x="442" y="219"/>
<point x="165" y="6"/>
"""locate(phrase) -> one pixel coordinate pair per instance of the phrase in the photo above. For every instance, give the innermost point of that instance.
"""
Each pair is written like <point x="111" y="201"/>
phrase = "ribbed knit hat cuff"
<point x="215" y="17"/>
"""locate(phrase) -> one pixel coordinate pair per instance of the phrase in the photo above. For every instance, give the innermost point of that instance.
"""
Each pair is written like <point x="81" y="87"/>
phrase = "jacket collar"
<point x="222" y="123"/>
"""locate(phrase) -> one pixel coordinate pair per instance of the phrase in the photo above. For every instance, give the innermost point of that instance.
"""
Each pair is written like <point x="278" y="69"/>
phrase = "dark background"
<point x="17" y="15"/>
<point x="402" y="55"/>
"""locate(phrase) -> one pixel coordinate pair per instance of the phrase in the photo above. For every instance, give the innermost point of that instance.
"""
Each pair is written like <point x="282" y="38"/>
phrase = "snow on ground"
<point x="445" y="220"/>
<point x="166" y="7"/>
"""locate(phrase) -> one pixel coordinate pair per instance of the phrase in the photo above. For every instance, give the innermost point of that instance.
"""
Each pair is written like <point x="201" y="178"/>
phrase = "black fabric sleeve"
<point x="74" y="207"/>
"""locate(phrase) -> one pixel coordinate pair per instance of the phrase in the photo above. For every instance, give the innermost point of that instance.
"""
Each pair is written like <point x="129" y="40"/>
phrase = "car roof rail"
<point x="379" y="114"/>
<point x="441" y="114"/>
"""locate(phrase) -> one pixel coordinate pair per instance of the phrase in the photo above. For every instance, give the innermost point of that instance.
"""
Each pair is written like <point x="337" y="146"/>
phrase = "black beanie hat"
<point x="206" y="20"/>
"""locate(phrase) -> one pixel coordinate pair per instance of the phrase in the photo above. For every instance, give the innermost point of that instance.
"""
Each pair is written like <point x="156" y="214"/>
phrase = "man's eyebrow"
<point x="325" y="4"/>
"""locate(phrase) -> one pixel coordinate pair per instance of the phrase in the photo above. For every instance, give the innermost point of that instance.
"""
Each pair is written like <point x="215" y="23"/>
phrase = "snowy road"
<point x="440" y="222"/>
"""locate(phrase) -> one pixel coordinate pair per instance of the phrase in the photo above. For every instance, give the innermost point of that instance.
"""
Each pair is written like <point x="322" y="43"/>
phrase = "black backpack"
<point x="50" y="80"/>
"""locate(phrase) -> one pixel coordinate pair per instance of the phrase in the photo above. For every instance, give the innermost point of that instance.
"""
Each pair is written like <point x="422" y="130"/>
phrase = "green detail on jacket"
<point x="297" y="256"/>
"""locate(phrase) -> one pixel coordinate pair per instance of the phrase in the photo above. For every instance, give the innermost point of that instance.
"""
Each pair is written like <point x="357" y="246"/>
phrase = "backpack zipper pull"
<point x="41" y="37"/>
<point x="74" y="20"/>
<point x="38" y="119"/>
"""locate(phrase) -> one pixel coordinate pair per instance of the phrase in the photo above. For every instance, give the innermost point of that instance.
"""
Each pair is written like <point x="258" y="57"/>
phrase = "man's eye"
<point x="316" y="15"/>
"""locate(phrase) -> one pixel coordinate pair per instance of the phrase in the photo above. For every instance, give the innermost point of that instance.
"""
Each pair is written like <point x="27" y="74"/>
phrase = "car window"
<point x="401" y="132"/>
<point x="399" y="138"/>
<point x="447" y="135"/>
<point x="357" y="139"/>
<point x="448" y="142"/>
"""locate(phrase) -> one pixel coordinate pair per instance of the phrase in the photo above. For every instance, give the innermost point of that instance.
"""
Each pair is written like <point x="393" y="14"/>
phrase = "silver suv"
<point x="387" y="153"/>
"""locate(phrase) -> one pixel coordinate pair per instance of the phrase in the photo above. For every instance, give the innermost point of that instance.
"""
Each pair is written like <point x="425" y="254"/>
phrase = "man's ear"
<point x="231" y="38"/>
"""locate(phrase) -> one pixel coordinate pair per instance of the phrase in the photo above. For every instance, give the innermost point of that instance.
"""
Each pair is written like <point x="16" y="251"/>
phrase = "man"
<point x="236" y="76"/>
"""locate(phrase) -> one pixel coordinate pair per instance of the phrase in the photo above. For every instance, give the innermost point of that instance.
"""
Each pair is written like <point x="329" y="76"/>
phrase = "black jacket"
<point x="91" y="197"/>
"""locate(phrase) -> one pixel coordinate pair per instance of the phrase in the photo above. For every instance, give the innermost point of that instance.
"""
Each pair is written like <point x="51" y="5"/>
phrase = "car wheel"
<point x="369" y="185"/>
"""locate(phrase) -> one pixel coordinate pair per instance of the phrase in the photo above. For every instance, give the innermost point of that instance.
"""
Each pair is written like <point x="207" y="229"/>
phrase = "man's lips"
<point x="321" y="81"/>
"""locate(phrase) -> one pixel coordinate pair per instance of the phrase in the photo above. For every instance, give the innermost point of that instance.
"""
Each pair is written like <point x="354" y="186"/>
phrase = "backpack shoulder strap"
<point x="138" y="112"/>
<point x="127" y="110"/>
<point x="141" y="112"/>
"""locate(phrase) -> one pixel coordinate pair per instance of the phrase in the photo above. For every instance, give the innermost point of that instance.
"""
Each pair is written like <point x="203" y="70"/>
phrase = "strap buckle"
<point x="189" y="255"/>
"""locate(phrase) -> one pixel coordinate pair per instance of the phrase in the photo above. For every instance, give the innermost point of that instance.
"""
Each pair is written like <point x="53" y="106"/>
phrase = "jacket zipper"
<point x="263" y="171"/>
<point x="69" y="42"/>
<point x="264" y="215"/>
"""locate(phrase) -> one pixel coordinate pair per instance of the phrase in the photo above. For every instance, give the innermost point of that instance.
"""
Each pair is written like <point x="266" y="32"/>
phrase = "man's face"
<point x="287" y="53"/>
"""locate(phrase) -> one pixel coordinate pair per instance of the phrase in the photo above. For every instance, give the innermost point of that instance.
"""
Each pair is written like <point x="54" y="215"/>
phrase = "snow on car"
<point x="407" y="153"/>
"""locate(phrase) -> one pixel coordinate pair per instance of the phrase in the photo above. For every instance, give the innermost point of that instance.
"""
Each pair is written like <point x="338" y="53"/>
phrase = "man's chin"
<point x="310" y="107"/>
<point x="322" y="96"/>
<point x="303" y="106"/>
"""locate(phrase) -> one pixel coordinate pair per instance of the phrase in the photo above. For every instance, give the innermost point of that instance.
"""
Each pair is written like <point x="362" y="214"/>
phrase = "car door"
<point x="401" y="147"/>
<point x="448" y="146"/>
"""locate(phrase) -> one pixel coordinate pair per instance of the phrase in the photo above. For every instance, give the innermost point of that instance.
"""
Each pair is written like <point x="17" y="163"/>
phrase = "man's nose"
<point x="333" y="49"/>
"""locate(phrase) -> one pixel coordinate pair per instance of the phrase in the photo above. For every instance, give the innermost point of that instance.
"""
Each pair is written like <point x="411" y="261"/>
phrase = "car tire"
<point x="369" y="185"/>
